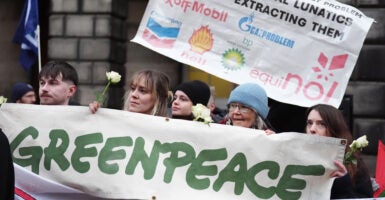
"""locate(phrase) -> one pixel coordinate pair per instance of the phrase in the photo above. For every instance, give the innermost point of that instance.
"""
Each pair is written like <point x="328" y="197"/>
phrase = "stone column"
<point x="90" y="35"/>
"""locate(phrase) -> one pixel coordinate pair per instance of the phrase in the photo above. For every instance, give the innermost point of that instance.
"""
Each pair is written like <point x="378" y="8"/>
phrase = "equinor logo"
<point x="337" y="62"/>
<point x="318" y="84"/>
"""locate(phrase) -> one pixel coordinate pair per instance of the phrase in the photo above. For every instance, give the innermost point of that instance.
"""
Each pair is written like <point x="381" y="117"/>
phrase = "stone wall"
<point x="10" y="69"/>
<point x="367" y="83"/>
<point x="94" y="36"/>
<point x="90" y="35"/>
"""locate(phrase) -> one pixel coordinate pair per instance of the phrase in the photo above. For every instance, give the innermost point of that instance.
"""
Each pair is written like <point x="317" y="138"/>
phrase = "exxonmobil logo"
<point x="319" y="84"/>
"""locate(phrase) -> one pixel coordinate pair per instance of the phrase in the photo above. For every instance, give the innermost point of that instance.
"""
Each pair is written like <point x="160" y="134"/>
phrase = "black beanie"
<point x="197" y="91"/>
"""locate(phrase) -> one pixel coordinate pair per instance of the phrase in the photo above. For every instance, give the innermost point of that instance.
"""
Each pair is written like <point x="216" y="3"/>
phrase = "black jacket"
<point x="344" y="188"/>
<point x="7" y="174"/>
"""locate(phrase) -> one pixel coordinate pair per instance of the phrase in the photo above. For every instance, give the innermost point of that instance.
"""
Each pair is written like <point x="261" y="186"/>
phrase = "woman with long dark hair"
<point x="352" y="181"/>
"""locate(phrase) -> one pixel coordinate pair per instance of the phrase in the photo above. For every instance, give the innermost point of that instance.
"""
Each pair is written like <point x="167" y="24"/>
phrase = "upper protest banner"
<point x="301" y="51"/>
<point x="119" y="154"/>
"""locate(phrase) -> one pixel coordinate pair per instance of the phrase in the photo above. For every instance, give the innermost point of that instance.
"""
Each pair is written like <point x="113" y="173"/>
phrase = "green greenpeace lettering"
<point x="33" y="154"/>
<point x="55" y="152"/>
<point x="107" y="154"/>
<point x="230" y="174"/>
<point x="149" y="163"/>
<point x="81" y="151"/>
<point x="289" y="186"/>
<point x="202" y="172"/>
<point x="174" y="161"/>
<point x="198" y="169"/>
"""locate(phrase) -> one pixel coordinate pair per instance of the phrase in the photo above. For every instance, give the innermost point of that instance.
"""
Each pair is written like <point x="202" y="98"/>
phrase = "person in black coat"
<point x="7" y="174"/>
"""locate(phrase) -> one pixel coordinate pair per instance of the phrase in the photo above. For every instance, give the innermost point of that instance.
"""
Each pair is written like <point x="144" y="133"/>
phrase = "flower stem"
<point x="105" y="89"/>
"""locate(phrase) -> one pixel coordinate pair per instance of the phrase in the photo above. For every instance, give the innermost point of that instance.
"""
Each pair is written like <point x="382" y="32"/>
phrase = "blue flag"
<point x="27" y="34"/>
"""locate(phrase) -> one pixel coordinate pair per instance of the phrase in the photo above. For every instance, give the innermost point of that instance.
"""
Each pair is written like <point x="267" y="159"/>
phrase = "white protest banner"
<point x="118" y="154"/>
<point x="301" y="51"/>
<point x="29" y="186"/>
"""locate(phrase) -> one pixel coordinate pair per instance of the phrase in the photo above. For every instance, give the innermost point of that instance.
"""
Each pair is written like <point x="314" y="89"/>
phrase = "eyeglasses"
<point x="241" y="108"/>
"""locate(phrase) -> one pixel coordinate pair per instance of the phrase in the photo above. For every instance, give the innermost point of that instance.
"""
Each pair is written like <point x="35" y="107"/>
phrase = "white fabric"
<point x="40" y="125"/>
<point x="300" y="57"/>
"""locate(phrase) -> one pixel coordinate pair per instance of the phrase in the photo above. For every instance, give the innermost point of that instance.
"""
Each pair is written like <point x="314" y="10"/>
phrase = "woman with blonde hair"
<point x="148" y="92"/>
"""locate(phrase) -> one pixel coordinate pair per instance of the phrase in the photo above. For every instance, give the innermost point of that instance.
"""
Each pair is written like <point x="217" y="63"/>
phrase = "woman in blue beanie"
<point x="248" y="107"/>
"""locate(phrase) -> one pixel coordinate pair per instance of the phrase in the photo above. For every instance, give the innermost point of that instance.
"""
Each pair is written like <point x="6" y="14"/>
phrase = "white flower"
<point x="3" y="100"/>
<point x="201" y="113"/>
<point x="114" y="77"/>
<point x="360" y="143"/>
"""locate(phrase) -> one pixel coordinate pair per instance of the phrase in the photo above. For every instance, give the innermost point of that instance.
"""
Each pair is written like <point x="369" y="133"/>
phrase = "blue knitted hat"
<point x="251" y="95"/>
<point x="19" y="90"/>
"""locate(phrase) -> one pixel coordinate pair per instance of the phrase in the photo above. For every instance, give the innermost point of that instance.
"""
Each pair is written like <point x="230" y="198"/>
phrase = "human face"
<point x="315" y="124"/>
<point x="142" y="99"/>
<point x="182" y="105"/>
<point x="241" y="115"/>
<point x="55" y="91"/>
<point x="28" y="98"/>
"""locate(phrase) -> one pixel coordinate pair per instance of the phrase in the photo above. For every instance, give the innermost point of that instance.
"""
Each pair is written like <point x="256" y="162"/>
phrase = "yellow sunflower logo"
<point x="233" y="59"/>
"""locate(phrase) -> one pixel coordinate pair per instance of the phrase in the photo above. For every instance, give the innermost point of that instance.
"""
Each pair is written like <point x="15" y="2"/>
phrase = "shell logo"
<point x="201" y="40"/>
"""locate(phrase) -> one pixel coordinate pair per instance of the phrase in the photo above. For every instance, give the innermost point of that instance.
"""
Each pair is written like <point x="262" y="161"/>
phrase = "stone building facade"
<point x="10" y="70"/>
<point x="91" y="35"/>
<point x="94" y="36"/>
<point x="367" y="83"/>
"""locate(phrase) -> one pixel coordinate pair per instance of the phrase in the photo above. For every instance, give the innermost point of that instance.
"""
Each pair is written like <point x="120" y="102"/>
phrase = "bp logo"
<point x="233" y="59"/>
<point x="324" y="72"/>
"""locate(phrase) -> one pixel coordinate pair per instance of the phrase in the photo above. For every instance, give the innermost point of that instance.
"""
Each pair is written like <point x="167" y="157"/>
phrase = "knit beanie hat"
<point x="19" y="90"/>
<point x="197" y="91"/>
<point x="251" y="95"/>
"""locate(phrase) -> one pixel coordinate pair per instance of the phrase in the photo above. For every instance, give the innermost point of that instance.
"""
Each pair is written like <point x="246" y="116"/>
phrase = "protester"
<point x="352" y="181"/>
<point x="286" y="117"/>
<point x="186" y="96"/>
<point x="217" y="114"/>
<point x="23" y="93"/>
<point x="148" y="93"/>
<point x="7" y="174"/>
<point x="248" y="108"/>
<point x="58" y="82"/>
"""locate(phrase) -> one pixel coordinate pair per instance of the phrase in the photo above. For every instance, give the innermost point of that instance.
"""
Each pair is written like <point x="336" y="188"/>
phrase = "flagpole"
<point x="38" y="47"/>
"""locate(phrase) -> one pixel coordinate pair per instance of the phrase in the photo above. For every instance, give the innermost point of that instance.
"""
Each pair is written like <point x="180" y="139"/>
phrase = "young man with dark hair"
<point x="58" y="82"/>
